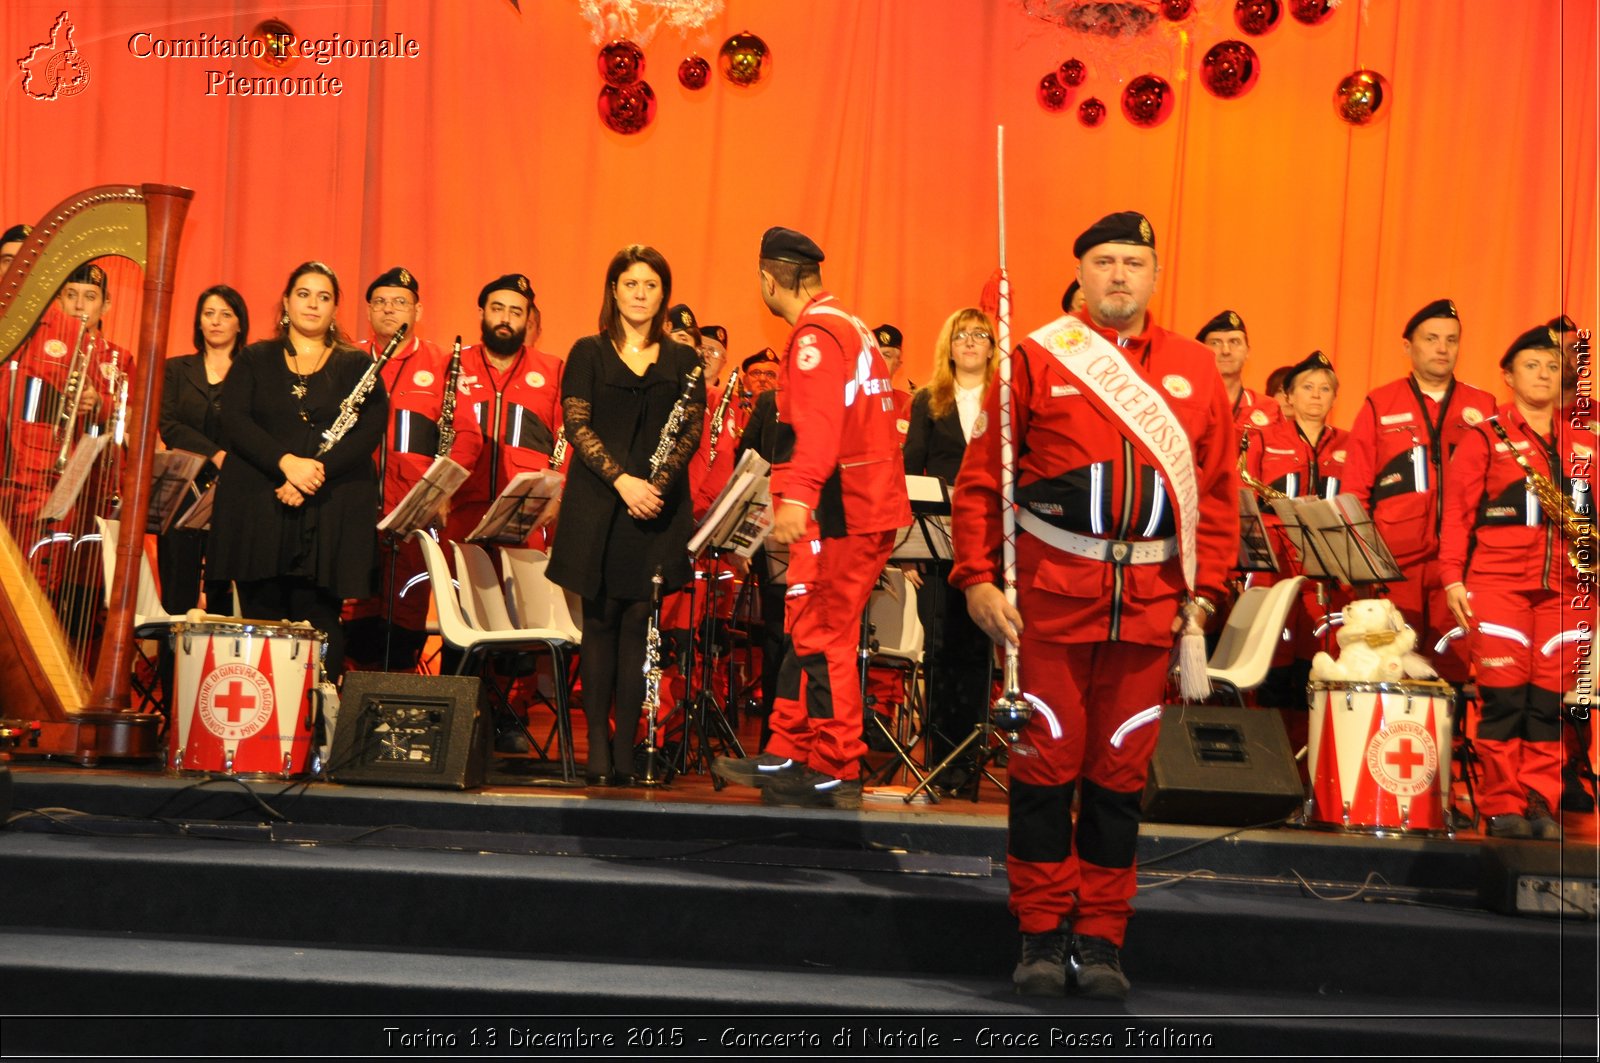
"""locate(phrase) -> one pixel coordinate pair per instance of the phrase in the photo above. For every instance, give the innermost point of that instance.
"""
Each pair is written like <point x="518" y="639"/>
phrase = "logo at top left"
<point x="54" y="69"/>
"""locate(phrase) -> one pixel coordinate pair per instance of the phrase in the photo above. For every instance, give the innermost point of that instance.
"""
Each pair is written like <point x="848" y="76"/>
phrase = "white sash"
<point x="1118" y="390"/>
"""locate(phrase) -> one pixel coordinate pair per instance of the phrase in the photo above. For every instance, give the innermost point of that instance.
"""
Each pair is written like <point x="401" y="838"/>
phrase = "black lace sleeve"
<point x="693" y="423"/>
<point x="585" y="442"/>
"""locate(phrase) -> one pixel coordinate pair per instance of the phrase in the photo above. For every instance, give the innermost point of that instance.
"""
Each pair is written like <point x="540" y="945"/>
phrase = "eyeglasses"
<point x="974" y="336"/>
<point x="399" y="302"/>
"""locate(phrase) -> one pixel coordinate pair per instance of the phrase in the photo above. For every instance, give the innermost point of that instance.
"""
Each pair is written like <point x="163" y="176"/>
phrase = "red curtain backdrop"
<point x="874" y="132"/>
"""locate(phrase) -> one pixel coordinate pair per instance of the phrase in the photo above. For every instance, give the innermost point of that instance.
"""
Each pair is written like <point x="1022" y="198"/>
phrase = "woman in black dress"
<point x="298" y="530"/>
<point x="959" y="657"/>
<point x="191" y="419"/>
<point x="619" y="522"/>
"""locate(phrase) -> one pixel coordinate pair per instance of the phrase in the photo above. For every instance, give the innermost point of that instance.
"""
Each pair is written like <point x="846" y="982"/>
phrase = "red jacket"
<point x="836" y="398"/>
<point x="1076" y="465"/>
<point x="1281" y="457"/>
<point x="707" y="478"/>
<point x="1495" y="533"/>
<point x="415" y="379"/>
<point x="1393" y="463"/>
<point x="1253" y="411"/>
<point x="519" y="412"/>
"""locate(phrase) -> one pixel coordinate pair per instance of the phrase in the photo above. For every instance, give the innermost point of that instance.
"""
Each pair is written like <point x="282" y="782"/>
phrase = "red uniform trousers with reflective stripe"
<point x="1094" y="691"/>
<point x="816" y="717"/>
<point x="1518" y="734"/>
<point x="1421" y="600"/>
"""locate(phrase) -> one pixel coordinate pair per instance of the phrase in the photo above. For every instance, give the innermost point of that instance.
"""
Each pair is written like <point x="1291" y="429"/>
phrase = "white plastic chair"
<point x="533" y="600"/>
<point x="1243" y="662"/>
<point x="898" y="631"/>
<point x="477" y="645"/>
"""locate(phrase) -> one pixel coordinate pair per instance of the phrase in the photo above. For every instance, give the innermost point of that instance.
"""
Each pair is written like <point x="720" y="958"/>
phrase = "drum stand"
<point x="983" y="733"/>
<point x="704" y="720"/>
<point x="866" y="647"/>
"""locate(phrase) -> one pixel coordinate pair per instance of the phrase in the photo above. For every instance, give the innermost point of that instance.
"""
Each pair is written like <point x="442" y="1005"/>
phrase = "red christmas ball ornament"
<point x="1092" y="112"/>
<point x="1147" y="101"/>
<point x="1311" y="12"/>
<point x="1176" y="10"/>
<point x="1052" y="93"/>
<point x="1230" y="69"/>
<point x="1256" y="17"/>
<point x="272" y="45"/>
<point x="627" y="109"/>
<point x="621" y="63"/>
<point x="743" y="58"/>
<point x="1360" y="97"/>
<point x="694" y="73"/>
<point x="1072" y="73"/>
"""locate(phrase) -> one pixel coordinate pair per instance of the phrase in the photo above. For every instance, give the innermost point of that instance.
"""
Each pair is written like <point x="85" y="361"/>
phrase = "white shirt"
<point x="968" y="402"/>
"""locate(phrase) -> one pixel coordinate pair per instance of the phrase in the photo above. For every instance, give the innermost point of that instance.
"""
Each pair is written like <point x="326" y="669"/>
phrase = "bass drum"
<point x="1380" y="756"/>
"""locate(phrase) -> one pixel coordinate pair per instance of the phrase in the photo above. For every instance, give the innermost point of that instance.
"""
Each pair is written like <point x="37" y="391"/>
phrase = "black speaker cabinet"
<point x="1223" y="766"/>
<point x="409" y="730"/>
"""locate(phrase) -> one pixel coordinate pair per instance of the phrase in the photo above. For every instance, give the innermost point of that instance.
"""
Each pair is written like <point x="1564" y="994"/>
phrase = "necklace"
<point x="299" y="388"/>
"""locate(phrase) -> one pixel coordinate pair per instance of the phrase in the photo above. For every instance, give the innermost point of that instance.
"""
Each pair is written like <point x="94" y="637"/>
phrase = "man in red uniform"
<point x="1227" y="337"/>
<point x="515" y="391"/>
<point x="1399" y="446"/>
<point x="889" y="345"/>
<point x="1508" y="579"/>
<point x="11" y="243"/>
<point x="1128" y="523"/>
<point x="415" y="379"/>
<point x="838" y="495"/>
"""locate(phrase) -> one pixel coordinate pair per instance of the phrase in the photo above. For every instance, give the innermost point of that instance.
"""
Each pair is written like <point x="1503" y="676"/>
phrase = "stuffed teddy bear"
<point x="1376" y="645"/>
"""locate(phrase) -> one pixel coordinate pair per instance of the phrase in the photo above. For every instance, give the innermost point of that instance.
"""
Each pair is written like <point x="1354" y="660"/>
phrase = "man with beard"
<point x="389" y="630"/>
<point x="515" y="390"/>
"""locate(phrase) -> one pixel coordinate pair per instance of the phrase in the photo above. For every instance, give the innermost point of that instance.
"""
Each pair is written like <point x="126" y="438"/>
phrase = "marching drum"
<point x="243" y="703"/>
<point x="1380" y="756"/>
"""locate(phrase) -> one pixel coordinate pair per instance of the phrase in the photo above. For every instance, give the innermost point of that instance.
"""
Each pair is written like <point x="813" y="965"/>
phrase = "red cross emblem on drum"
<point x="235" y="702"/>
<point x="1403" y="758"/>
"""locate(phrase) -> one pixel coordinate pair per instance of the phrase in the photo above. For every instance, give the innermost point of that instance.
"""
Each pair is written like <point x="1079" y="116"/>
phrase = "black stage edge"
<point x="547" y="918"/>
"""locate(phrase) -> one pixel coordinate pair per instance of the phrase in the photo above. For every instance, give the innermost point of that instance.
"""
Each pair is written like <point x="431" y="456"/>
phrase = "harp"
<point x="59" y="696"/>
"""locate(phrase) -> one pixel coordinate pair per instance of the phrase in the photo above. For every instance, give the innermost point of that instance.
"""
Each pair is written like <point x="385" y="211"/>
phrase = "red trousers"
<point x="1421" y="600"/>
<point x="1104" y="701"/>
<point x="816" y="717"/>
<point x="1524" y="667"/>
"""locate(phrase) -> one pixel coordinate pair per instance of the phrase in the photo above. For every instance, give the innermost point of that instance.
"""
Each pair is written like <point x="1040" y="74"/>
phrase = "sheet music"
<point x="422" y="503"/>
<point x="517" y="511"/>
<point x="198" y="518"/>
<point x="1255" y="545"/>
<point x="171" y="474"/>
<point x="65" y="494"/>
<point x="1310" y="550"/>
<point x="741" y="517"/>
<point x="1366" y="556"/>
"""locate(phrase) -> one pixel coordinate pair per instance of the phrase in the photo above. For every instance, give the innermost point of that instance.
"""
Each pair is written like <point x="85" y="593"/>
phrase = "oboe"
<point x="447" y="408"/>
<point x="720" y="417"/>
<point x="652" y="685"/>
<point x="350" y="408"/>
<point x="674" y="426"/>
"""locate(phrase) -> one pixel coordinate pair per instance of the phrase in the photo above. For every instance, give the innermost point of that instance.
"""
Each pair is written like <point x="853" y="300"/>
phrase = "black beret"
<point x="1227" y="321"/>
<point x="1437" y="308"/>
<point x="1540" y="337"/>
<point x="786" y="245"/>
<point x="888" y="336"/>
<point x="1314" y="360"/>
<point x="511" y="282"/>
<point x="14" y="234"/>
<point x="1560" y="324"/>
<point x="1066" y="297"/>
<point x="680" y="317"/>
<point x="716" y="332"/>
<point x="763" y="355"/>
<point x="1123" y="227"/>
<point x="398" y="277"/>
<point x="88" y="273"/>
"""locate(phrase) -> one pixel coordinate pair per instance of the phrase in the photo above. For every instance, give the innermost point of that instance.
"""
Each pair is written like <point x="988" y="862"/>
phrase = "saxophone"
<point x="652" y="685"/>
<point x="72" y="394"/>
<point x="1576" y="526"/>
<point x="447" y="407"/>
<point x="350" y="408"/>
<point x="674" y="426"/>
<point x="1244" y="472"/>
<point x="720" y="418"/>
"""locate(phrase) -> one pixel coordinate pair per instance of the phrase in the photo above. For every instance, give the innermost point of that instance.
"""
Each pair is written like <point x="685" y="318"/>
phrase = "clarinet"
<point x="652" y="685"/>
<point x="720" y="418"/>
<point x="558" y="453"/>
<point x="350" y="408"/>
<point x="447" y="408"/>
<point x="674" y="426"/>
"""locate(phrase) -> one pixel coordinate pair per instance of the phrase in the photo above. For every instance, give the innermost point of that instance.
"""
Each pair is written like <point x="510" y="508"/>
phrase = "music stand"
<point x="198" y="516"/>
<point x="737" y="523"/>
<point x="172" y="474"/>
<point x="412" y="513"/>
<point x="1255" y="545"/>
<point x="518" y="510"/>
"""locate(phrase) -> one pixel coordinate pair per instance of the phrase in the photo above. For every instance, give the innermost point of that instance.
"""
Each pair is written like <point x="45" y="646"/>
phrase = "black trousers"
<point x="611" y="668"/>
<point x="297" y="598"/>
